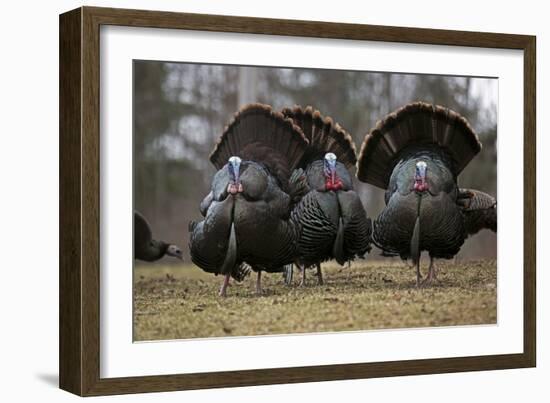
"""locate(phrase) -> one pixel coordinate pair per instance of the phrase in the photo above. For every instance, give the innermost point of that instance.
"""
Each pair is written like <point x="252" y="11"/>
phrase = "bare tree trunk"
<point x="467" y="92"/>
<point x="389" y="102"/>
<point x="248" y="85"/>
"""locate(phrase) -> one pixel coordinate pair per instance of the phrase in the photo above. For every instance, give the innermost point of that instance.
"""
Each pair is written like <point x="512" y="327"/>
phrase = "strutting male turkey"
<point x="416" y="153"/>
<point x="247" y="212"/>
<point x="148" y="249"/>
<point x="333" y="223"/>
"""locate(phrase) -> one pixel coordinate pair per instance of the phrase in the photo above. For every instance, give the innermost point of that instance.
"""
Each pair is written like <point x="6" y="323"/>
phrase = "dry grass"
<point x="174" y="302"/>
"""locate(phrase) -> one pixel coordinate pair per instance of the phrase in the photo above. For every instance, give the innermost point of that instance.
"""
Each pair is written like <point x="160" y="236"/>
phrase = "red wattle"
<point x="420" y="186"/>
<point x="234" y="188"/>
<point x="336" y="185"/>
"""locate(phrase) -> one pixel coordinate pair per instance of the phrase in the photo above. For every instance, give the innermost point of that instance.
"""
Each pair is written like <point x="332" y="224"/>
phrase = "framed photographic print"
<point x="249" y="201"/>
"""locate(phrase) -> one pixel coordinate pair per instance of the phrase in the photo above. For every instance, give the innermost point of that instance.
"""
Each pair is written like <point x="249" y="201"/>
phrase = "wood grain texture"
<point x="70" y="274"/>
<point x="90" y="201"/>
<point x="80" y="196"/>
<point x="315" y="29"/>
<point x="530" y="202"/>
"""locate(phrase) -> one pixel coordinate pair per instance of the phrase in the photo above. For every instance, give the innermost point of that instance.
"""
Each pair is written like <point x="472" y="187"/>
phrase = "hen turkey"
<point x="148" y="249"/>
<point x="247" y="212"/>
<point x="332" y="220"/>
<point x="480" y="210"/>
<point x="416" y="153"/>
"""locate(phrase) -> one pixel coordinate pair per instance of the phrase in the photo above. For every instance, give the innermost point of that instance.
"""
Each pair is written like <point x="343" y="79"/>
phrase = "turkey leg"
<point x="259" y="283"/>
<point x="303" y="282"/>
<point x="223" y="289"/>
<point x="432" y="273"/>
<point x="418" y="276"/>
<point x="319" y="274"/>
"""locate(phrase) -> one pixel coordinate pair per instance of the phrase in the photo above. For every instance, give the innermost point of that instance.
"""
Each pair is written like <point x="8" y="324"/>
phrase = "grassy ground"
<point x="173" y="302"/>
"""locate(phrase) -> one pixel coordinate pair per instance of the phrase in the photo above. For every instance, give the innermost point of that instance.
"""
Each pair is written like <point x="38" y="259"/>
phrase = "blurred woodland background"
<point x="180" y="109"/>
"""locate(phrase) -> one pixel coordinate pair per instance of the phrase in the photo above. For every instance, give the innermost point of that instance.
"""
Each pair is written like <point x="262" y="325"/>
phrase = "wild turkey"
<point x="480" y="210"/>
<point x="148" y="249"/>
<point x="247" y="212"/>
<point x="333" y="222"/>
<point x="416" y="153"/>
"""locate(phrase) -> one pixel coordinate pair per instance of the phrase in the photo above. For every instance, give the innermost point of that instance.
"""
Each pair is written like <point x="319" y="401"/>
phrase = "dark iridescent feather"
<point x="270" y="147"/>
<point x="479" y="209"/>
<point x="445" y="142"/>
<point x="333" y="224"/>
<point x="145" y="247"/>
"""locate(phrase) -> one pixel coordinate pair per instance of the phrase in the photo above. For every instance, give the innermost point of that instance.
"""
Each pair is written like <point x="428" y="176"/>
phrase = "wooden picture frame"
<point x="79" y="201"/>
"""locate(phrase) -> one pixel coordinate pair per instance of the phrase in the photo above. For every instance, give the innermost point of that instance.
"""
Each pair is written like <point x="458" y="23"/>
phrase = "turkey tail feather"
<point x="415" y="124"/>
<point x="324" y="135"/>
<point x="255" y="133"/>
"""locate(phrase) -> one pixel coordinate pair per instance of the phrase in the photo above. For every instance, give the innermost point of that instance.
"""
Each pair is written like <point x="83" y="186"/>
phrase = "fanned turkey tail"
<point x="324" y="136"/>
<point x="258" y="133"/>
<point x="413" y="125"/>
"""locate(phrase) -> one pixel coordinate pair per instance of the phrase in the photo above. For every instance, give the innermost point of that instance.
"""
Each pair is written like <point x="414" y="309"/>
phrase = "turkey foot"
<point x="223" y="288"/>
<point x="319" y="274"/>
<point x="432" y="274"/>
<point x="288" y="274"/>
<point x="408" y="264"/>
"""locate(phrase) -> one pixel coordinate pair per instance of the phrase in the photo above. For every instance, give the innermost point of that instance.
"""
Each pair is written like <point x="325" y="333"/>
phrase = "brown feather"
<point x="324" y="136"/>
<point x="412" y="125"/>
<point x="257" y="133"/>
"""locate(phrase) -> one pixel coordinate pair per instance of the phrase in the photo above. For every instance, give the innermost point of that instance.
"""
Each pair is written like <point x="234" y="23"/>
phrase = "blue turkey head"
<point x="332" y="181"/>
<point x="420" y="183"/>
<point x="234" y="167"/>
<point x="330" y="165"/>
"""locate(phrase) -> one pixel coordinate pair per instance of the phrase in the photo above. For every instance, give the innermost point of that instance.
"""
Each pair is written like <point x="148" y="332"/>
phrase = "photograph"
<point x="282" y="200"/>
<point x="247" y="200"/>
